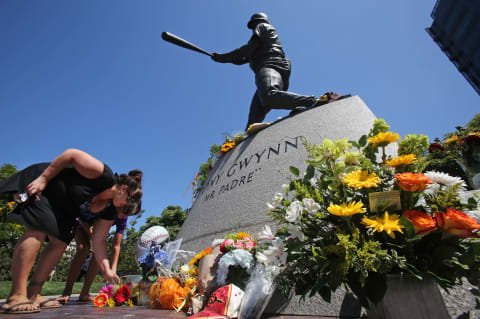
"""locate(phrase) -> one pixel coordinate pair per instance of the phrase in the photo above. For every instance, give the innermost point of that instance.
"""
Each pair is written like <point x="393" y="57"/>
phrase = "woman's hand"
<point x="37" y="186"/>
<point x="111" y="277"/>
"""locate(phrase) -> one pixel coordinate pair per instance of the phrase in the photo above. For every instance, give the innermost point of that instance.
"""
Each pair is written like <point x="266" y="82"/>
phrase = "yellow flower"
<point x="111" y="302"/>
<point x="402" y="160"/>
<point x="190" y="282"/>
<point x="384" y="138"/>
<point x="193" y="270"/>
<point x="199" y="256"/>
<point x="361" y="179"/>
<point x="130" y="303"/>
<point x="349" y="209"/>
<point x="227" y="146"/>
<point x="243" y="235"/>
<point x="386" y="223"/>
<point x="452" y="139"/>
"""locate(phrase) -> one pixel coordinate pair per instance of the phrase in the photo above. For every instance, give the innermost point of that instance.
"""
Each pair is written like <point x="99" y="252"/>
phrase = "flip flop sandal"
<point x="44" y="306"/>
<point x="9" y="311"/>
<point x="63" y="300"/>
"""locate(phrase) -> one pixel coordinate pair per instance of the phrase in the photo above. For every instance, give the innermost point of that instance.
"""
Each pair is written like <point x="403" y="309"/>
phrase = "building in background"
<point x="456" y="30"/>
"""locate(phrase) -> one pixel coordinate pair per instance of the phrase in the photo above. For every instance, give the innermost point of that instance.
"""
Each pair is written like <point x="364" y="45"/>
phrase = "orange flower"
<point x="411" y="182"/>
<point x="100" y="300"/>
<point x="422" y="222"/>
<point x="458" y="223"/>
<point x="227" y="146"/>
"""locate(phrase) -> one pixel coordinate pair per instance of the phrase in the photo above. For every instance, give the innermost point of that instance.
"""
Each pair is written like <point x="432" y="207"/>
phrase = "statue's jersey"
<point x="266" y="49"/>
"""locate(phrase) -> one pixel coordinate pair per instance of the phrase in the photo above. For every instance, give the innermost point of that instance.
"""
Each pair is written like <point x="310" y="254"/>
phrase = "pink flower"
<point x="240" y="244"/>
<point x="228" y="242"/>
<point x="108" y="290"/>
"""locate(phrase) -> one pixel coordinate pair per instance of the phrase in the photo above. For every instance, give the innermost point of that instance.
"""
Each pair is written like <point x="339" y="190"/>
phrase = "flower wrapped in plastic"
<point x="235" y="267"/>
<point x="270" y="259"/>
<point x="359" y="214"/>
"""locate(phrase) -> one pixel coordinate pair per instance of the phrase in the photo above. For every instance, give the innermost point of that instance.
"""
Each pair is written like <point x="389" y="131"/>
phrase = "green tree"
<point x="172" y="219"/>
<point x="9" y="232"/>
<point x="474" y="124"/>
<point x="127" y="265"/>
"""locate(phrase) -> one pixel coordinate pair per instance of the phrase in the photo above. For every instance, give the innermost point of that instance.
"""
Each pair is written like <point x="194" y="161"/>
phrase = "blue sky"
<point x="96" y="75"/>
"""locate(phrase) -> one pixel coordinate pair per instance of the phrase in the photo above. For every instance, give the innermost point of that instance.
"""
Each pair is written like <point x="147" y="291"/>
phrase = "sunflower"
<point x="383" y="139"/>
<point x="387" y="223"/>
<point x="227" y="146"/>
<point x="349" y="209"/>
<point x="361" y="179"/>
<point x="411" y="182"/>
<point x="402" y="160"/>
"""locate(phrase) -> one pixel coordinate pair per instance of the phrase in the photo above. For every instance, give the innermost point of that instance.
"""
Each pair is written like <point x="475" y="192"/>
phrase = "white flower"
<point x="266" y="234"/>
<point x="184" y="270"/>
<point x="285" y="187"/>
<point x="293" y="211"/>
<point x="271" y="207"/>
<point x="263" y="259"/>
<point x="310" y="205"/>
<point x="274" y="255"/>
<point x="313" y="181"/>
<point x="295" y="232"/>
<point x="445" y="179"/>
<point x="277" y="198"/>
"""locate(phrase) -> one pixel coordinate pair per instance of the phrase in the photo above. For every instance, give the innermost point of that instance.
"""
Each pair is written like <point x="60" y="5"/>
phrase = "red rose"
<point x="223" y="250"/>
<point x="122" y="295"/>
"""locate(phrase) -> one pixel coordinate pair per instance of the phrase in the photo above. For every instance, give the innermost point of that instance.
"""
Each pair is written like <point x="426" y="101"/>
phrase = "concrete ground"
<point x="80" y="311"/>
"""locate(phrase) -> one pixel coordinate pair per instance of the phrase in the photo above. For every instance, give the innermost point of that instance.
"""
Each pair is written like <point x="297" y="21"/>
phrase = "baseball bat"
<point x="172" y="38"/>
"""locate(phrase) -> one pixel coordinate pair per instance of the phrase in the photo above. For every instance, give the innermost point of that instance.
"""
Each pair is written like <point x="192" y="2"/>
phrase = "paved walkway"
<point x="80" y="311"/>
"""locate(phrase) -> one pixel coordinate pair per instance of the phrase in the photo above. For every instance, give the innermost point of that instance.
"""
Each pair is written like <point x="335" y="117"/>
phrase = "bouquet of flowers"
<point x="238" y="259"/>
<point x="108" y="297"/>
<point x="357" y="215"/>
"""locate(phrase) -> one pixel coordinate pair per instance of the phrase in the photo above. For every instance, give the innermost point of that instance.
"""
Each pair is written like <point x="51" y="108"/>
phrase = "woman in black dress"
<point x="60" y="190"/>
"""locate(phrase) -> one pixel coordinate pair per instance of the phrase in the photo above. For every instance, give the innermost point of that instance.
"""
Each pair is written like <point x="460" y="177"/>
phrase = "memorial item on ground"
<point x="333" y="236"/>
<point x="108" y="296"/>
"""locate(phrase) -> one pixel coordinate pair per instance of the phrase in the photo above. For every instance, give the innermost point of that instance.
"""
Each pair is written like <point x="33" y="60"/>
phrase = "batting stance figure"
<point x="272" y="72"/>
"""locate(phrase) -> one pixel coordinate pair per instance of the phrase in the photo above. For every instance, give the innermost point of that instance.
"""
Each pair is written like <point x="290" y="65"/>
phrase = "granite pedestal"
<point x="242" y="182"/>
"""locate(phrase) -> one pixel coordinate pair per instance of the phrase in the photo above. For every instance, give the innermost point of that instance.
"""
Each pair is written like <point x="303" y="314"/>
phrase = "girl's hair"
<point x="132" y="208"/>
<point x="134" y="184"/>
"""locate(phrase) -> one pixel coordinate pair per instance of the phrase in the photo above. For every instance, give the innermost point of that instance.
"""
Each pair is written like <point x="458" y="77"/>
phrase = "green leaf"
<point x="363" y="140"/>
<point x="409" y="229"/>
<point x="310" y="172"/>
<point x="294" y="171"/>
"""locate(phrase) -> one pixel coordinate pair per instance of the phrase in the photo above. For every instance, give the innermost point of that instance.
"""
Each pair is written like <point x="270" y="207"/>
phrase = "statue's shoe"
<point x="329" y="97"/>
<point x="255" y="127"/>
